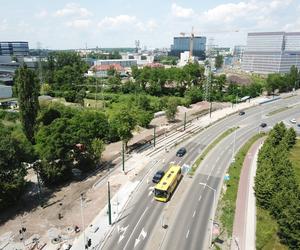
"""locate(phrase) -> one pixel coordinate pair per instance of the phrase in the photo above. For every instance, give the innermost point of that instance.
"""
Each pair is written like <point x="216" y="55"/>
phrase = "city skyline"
<point x="72" y="24"/>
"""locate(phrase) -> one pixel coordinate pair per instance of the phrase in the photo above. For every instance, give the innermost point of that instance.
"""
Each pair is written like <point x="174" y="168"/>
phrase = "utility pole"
<point x="109" y="205"/>
<point x="82" y="219"/>
<point x="123" y="156"/>
<point x="184" y="122"/>
<point x="154" y="136"/>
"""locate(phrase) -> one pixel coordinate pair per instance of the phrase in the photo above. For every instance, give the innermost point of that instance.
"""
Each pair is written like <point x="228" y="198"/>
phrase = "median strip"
<point x="274" y="112"/>
<point x="209" y="148"/>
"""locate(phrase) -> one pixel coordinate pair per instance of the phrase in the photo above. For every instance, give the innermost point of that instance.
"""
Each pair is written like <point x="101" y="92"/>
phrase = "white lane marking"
<point x="199" y="198"/>
<point x="151" y="188"/>
<point x="122" y="231"/>
<point x="187" y="234"/>
<point x="150" y="193"/>
<point x="194" y="213"/>
<point x="143" y="234"/>
<point x="135" y="227"/>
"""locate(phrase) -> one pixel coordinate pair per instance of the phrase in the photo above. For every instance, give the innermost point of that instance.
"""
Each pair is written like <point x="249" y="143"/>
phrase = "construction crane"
<point x="192" y="36"/>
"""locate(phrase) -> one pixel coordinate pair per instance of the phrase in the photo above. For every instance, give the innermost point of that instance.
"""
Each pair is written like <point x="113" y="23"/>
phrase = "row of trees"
<point x="276" y="188"/>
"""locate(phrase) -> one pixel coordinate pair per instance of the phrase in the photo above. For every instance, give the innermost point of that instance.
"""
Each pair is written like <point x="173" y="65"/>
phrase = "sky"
<point x="64" y="24"/>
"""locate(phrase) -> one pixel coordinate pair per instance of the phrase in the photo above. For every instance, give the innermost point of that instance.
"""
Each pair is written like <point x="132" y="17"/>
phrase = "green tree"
<point x="124" y="122"/>
<point x="290" y="137"/>
<point x="12" y="172"/>
<point x="219" y="60"/>
<point x="98" y="148"/>
<point x="171" y="108"/>
<point x="28" y="92"/>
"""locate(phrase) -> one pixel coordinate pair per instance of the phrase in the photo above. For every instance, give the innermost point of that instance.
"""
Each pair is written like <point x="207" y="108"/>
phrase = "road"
<point x="191" y="225"/>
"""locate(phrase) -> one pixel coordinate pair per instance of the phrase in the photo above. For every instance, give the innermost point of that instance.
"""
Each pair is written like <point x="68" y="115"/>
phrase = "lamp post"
<point x="109" y="205"/>
<point x="82" y="218"/>
<point x="214" y="203"/>
<point x="233" y="146"/>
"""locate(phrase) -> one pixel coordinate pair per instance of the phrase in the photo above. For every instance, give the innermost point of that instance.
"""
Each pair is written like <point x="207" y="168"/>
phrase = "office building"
<point x="18" y="49"/>
<point x="238" y="51"/>
<point x="182" y="44"/>
<point x="271" y="52"/>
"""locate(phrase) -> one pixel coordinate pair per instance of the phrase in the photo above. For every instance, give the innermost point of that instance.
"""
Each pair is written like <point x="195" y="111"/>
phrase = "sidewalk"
<point x="244" y="227"/>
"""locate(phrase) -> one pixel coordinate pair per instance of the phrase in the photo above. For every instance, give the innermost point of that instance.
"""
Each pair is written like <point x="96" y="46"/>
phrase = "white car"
<point x="293" y="121"/>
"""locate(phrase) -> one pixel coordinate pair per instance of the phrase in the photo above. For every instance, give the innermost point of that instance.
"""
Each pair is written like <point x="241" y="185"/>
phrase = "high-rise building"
<point x="14" y="49"/>
<point x="271" y="52"/>
<point x="182" y="44"/>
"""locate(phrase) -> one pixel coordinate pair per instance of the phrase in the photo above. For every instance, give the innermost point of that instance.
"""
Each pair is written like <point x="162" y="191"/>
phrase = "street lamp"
<point x="82" y="218"/>
<point x="214" y="203"/>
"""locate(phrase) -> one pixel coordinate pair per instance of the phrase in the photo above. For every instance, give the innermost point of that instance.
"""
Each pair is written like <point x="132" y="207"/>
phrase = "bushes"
<point x="276" y="188"/>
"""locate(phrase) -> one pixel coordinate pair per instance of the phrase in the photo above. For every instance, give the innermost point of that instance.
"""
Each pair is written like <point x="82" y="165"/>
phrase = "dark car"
<point x="263" y="124"/>
<point x="157" y="177"/>
<point x="241" y="112"/>
<point x="181" y="152"/>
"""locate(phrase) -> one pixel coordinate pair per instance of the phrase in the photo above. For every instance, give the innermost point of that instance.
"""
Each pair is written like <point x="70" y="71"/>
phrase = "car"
<point x="158" y="175"/>
<point x="181" y="152"/>
<point x="293" y="121"/>
<point x="241" y="112"/>
<point x="263" y="124"/>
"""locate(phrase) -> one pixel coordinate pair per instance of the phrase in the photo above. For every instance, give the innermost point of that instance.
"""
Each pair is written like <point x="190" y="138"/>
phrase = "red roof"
<point x="105" y="67"/>
<point x="155" y="65"/>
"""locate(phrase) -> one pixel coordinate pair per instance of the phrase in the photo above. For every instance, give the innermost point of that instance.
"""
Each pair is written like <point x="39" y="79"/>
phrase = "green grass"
<point x="266" y="232"/>
<point x="228" y="200"/>
<point x="92" y="103"/>
<point x="274" y="112"/>
<point x="210" y="147"/>
<point x="295" y="158"/>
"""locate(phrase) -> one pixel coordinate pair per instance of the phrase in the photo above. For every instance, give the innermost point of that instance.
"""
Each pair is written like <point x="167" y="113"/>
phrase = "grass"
<point x="228" y="200"/>
<point x="210" y="147"/>
<point x="295" y="158"/>
<point x="266" y="232"/>
<point x="274" y="112"/>
<point x="92" y="103"/>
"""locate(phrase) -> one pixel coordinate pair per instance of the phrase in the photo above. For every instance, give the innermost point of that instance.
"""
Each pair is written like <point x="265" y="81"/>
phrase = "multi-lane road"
<point x="189" y="225"/>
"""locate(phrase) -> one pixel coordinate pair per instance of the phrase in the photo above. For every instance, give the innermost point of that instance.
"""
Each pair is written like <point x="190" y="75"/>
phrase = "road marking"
<point x="143" y="234"/>
<point x="194" y="213"/>
<point x="121" y="230"/>
<point x="150" y="193"/>
<point x="135" y="227"/>
<point x="151" y="188"/>
<point x="200" y="197"/>
<point x="187" y="234"/>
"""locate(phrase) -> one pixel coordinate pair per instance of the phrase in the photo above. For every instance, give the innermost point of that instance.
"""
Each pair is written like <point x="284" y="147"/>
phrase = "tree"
<point x="290" y="137"/>
<point x="171" y="108"/>
<point x="98" y="148"/>
<point x="124" y="123"/>
<point x="12" y="172"/>
<point x="219" y="61"/>
<point x="28" y="92"/>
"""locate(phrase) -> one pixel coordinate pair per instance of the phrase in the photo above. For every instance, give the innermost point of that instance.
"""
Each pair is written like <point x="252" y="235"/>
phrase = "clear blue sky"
<point x="60" y="24"/>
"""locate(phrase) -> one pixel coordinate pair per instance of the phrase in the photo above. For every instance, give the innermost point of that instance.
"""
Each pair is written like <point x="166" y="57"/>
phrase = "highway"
<point x="191" y="223"/>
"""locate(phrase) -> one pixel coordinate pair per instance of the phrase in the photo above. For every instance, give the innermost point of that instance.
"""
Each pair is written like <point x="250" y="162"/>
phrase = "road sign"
<point x="226" y="177"/>
<point x="185" y="168"/>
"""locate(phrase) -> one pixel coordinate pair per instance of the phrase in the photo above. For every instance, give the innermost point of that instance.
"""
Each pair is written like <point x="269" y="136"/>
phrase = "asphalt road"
<point x="191" y="228"/>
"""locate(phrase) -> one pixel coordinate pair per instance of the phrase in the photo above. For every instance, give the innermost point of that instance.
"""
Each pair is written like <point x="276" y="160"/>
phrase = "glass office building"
<point x="14" y="49"/>
<point x="182" y="44"/>
<point x="271" y="52"/>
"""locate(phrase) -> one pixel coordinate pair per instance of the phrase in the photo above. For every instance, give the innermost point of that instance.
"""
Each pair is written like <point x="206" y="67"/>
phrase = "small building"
<point x="5" y="92"/>
<point x="102" y="70"/>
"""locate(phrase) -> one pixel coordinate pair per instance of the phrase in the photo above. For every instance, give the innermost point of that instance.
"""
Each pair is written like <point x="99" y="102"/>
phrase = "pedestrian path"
<point x="244" y="227"/>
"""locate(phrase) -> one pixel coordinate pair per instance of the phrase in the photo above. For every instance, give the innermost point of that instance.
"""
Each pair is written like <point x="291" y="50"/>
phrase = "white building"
<point x="271" y="52"/>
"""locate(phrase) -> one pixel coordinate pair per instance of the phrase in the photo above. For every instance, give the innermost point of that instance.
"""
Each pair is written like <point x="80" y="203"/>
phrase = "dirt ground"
<point x="61" y="210"/>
